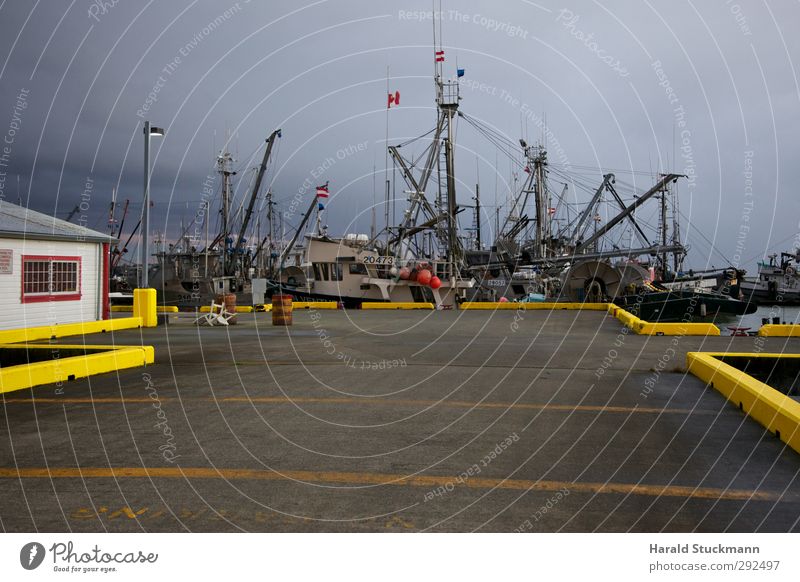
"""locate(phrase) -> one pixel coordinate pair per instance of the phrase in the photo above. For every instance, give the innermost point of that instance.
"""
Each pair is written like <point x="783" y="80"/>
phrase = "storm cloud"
<point x="706" y="89"/>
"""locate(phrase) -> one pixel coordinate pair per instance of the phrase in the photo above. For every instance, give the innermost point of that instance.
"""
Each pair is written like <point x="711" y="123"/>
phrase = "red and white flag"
<point x="322" y="191"/>
<point x="394" y="99"/>
<point x="439" y="56"/>
<point x="551" y="211"/>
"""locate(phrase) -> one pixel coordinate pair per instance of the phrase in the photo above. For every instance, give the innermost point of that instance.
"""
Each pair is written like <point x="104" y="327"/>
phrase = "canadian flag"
<point x="393" y="99"/>
<point x="439" y="56"/>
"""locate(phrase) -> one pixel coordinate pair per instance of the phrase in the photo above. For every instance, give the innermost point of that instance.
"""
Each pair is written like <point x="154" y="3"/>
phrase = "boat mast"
<point x="254" y="195"/>
<point x="664" y="232"/>
<point x="628" y="210"/>
<point x="270" y="204"/>
<point x="447" y="99"/>
<point x="676" y="232"/>
<point x="542" y="202"/>
<point x="478" y="217"/>
<point x="224" y="162"/>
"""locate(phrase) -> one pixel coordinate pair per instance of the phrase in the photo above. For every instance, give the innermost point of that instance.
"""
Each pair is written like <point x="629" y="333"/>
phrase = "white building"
<point x="51" y="271"/>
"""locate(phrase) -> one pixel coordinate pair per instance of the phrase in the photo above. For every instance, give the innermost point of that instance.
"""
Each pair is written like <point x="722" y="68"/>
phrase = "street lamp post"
<point x="148" y="133"/>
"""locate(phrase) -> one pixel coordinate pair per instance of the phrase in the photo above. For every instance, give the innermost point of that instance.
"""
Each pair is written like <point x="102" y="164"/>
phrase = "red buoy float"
<point x="435" y="283"/>
<point x="424" y="277"/>
<point x="405" y="273"/>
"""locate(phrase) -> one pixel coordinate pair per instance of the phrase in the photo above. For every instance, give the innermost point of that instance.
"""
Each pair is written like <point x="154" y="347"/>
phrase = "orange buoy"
<point x="405" y="273"/>
<point x="282" y="310"/>
<point x="424" y="277"/>
<point x="435" y="283"/>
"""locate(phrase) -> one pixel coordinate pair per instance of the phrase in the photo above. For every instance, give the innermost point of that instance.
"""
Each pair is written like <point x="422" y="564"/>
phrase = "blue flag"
<point x="321" y="206"/>
<point x="460" y="72"/>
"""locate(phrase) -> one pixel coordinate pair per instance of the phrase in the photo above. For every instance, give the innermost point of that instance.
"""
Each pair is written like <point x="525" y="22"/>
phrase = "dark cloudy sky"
<point x="709" y="88"/>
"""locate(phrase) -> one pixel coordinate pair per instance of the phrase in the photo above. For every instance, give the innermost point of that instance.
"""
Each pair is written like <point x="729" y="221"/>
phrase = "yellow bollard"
<point x="144" y="306"/>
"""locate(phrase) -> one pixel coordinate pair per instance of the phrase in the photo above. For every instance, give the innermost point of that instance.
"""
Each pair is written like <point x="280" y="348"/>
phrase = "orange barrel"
<point x="229" y="301"/>
<point x="281" y="310"/>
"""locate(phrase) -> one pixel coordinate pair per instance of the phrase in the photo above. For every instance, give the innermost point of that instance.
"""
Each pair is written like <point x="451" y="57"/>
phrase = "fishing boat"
<point x="778" y="281"/>
<point x="655" y="303"/>
<point x="350" y="271"/>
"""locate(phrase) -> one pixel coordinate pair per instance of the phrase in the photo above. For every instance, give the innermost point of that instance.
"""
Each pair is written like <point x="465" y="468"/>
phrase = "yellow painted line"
<point x="346" y="478"/>
<point x="31" y="334"/>
<point x="395" y="305"/>
<point x="777" y="330"/>
<point x="772" y="409"/>
<point x="70" y="368"/>
<point x="530" y="306"/>
<point x="643" y="327"/>
<point x="374" y="401"/>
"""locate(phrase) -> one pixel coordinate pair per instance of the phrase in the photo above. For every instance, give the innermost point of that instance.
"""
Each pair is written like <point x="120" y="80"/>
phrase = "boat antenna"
<point x="386" y="160"/>
<point x="373" y="227"/>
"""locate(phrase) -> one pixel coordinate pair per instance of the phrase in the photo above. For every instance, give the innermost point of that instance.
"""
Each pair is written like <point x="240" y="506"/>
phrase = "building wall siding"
<point x="15" y="314"/>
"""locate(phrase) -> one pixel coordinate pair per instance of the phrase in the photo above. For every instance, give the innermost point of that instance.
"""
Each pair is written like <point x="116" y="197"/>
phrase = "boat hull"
<point x="673" y="306"/>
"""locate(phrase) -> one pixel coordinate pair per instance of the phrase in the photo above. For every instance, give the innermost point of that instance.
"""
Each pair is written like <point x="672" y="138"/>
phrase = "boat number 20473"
<point x="378" y="260"/>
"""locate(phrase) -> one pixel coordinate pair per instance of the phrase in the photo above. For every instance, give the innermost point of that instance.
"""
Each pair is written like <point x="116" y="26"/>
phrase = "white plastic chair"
<point x="217" y="315"/>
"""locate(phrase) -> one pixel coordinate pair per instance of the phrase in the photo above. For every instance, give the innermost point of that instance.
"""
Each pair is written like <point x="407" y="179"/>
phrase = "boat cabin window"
<point x="358" y="269"/>
<point x="327" y="271"/>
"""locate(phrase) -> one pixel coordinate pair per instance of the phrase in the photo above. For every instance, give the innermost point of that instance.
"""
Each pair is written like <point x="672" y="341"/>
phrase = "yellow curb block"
<point x="314" y="305"/>
<point x="239" y="309"/>
<point x="69" y="368"/>
<point x="398" y="305"/>
<point x="778" y="330"/>
<point x="643" y="327"/>
<point x="518" y="306"/>
<point x="159" y="308"/>
<point x="770" y="408"/>
<point x="31" y="334"/>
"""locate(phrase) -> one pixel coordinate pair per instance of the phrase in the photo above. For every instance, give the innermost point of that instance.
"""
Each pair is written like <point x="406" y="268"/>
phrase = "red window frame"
<point x="41" y="297"/>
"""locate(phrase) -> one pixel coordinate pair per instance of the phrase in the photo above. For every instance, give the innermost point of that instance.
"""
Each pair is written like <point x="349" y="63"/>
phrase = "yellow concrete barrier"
<point x="773" y="410"/>
<point x="531" y="306"/>
<point x="778" y="330"/>
<point x="395" y="305"/>
<point x="159" y="309"/>
<point x="73" y="367"/>
<point x="32" y="334"/>
<point x="315" y="305"/>
<point x="144" y="306"/>
<point x="643" y="327"/>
